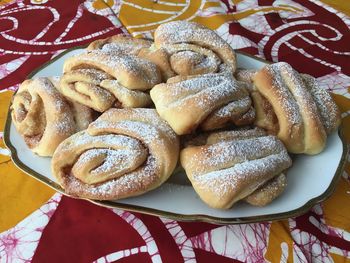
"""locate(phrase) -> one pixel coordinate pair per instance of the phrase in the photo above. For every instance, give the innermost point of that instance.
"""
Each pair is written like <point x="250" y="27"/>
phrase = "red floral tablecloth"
<point x="39" y="225"/>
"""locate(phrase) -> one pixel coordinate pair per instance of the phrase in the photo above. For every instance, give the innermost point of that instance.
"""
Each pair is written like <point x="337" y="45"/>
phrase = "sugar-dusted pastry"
<point x="120" y="44"/>
<point x="210" y="101"/>
<point x="234" y="164"/>
<point x="125" y="152"/>
<point x="42" y="116"/>
<point x="300" y="124"/>
<point x="193" y="48"/>
<point x="268" y="192"/>
<point x="103" y="80"/>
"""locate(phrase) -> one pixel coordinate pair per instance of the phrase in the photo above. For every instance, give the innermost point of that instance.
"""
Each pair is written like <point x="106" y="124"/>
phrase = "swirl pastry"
<point x="193" y="48"/>
<point x="120" y="44"/>
<point x="233" y="165"/>
<point x="103" y="80"/>
<point x="210" y="100"/>
<point x="125" y="152"/>
<point x="293" y="98"/>
<point x="42" y="116"/>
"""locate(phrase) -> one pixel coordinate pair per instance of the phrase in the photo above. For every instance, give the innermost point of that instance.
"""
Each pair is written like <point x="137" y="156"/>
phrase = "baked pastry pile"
<point x="127" y="111"/>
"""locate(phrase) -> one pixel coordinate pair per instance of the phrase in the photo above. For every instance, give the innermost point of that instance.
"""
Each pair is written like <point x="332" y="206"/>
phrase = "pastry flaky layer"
<point x="101" y="80"/>
<point x="305" y="113"/>
<point x="188" y="48"/>
<point x="44" y="118"/>
<point x="210" y="101"/>
<point x="232" y="165"/>
<point x="120" y="44"/>
<point x="125" y="152"/>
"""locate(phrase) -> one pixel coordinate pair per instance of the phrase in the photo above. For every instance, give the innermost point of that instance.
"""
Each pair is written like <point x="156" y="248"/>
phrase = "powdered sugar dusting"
<point x="228" y="180"/>
<point x="146" y="132"/>
<point x="234" y="108"/>
<point x="221" y="153"/>
<point x="115" y="63"/>
<point x="327" y="108"/>
<point x="285" y="96"/>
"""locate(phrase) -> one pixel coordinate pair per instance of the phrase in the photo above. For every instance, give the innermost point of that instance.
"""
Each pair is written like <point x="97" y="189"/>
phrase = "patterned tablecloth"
<point x="39" y="225"/>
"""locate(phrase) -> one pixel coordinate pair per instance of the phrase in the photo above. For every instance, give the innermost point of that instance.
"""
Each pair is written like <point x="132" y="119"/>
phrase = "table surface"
<point x="37" y="224"/>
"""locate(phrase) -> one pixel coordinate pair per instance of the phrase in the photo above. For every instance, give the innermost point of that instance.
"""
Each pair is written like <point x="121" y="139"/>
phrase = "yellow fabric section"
<point x="338" y="215"/>
<point x="279" y="239"/>
<point x="20" y="195"/>
<point x="140" y="16"/>
<point x="340" y="5"/>
<point x="339" y="259"/>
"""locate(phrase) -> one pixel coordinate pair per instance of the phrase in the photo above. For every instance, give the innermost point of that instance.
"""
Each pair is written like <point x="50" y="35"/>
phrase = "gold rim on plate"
<point x="179" y="217"/>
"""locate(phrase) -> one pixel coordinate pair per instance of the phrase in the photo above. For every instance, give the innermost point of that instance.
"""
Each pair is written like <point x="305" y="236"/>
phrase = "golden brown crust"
<point x="188" y="103"/>
<point x="101" y="81"/>
<point x="82" y="115"/>
<point x="232" y="166"/>
<point x="268" y="192"/>
<point x="300" y="126"/>
<point x="193" y="48"/>
<point x="120" y="44"/>
<point x="42" y="116"/>
<point x="159" y="57"/>
<point x="125" y="152"/>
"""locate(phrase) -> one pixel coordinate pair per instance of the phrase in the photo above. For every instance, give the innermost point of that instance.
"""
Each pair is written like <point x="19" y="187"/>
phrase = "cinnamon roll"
<point x="232" y="165"/>
<point x="193" y="48"/>
<point x="125" y="152"/>
<point x="42" y="116"/>
<point x="210" y="101"/>
<point x="103" y="80"/>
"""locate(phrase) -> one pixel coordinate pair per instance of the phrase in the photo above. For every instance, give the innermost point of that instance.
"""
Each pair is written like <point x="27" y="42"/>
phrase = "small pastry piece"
<point x="125" y="152"/>
<point x="42" y="116"/>
<point x="234" y="164"/>
<point x="193" y="48"/>
<point x="99" y="80"/>
<point x="120" y="44"/>
<point x="300" y="125"/>
<point x="209" y="100"/>
<point x="268" y="192"/>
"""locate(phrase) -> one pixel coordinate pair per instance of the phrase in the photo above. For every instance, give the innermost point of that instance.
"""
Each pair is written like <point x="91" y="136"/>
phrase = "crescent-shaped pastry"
<point x="232" y="165"/>
<point x="42" y="116"/>
<point x="300" y="125"/>
<point x="101" y="80"/>
<point x="120" y="44"/>
<point x="210" y="100"/>
<point x="192" y="49"/>
<point x="125" y="152"/>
